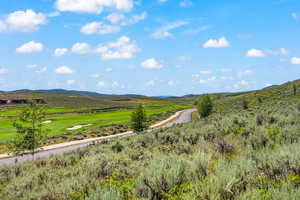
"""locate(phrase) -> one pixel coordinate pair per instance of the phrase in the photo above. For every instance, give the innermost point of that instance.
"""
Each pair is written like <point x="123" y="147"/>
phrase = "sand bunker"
<point x="78" y="127"/>
<point x="47" y="122"/>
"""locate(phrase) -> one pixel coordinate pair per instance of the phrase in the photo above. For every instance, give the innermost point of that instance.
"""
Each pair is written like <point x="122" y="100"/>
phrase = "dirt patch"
<point x="78" y="127"/>
<point x="47" y="122"/>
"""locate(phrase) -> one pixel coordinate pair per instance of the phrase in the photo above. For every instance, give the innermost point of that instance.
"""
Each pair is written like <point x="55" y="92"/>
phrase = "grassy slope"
<point x="244" y="154"/>
<point x="81" y="110"/>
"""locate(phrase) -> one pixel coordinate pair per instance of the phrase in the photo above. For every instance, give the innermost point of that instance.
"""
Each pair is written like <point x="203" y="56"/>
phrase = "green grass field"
<point x="60" y="122"/>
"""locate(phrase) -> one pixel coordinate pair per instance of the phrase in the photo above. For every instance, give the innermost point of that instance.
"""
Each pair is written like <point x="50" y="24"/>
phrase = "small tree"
<point x="30" y="133"/>
<point x="139" y="119"/>
<point x="205" y="106"/>
<point x="245" y="104"/>
<point x="295" y="90"/>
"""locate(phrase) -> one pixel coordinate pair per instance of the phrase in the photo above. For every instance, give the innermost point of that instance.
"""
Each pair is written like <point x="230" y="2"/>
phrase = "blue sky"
<point x="153" y="47"/>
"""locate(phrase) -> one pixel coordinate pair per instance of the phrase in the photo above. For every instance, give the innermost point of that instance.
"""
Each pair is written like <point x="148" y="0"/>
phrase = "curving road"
<point x="184" y="117"/>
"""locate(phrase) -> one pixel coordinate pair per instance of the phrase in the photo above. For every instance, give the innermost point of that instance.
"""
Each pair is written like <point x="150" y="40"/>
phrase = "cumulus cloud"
<point x="3" y="70"/>
<point x="71" y="82"/>
<point x="99" y="28"/>
<point x="281" y="51"/>
<point x="95" y="75"/>
<point x="64" y="70"/>
<point x="255" y="53"/>
<point x="102" y="84"/>
<point x="208" y="80"/>
<point x="93" y="6"/>
<point x="60" y="52"/>
<point x="245" y="73"/>
<point x="164" y="31"/>
<point x="295" y="61"/>
<point x="115" y="18"/>
<point x="295" y="16"/>
<point x="123" y="48"/>
<point x="23" y="21"/>
<point x="134" y="19"/>
<point x="185" y="3"/>
<point x="241" y="84"/>
<point x="42" y="70"/>
<point x="151" y="63"/>
<point x="81" y="48"/>
<point x="30" y="47"/>
<point x="184" y="58"/>
<point x="172" y="83"/>
<point x="217" y="43"/>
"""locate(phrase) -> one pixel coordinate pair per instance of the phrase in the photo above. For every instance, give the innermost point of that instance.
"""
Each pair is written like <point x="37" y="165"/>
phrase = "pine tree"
<point x="205" y="106"/>
<point x="139" y="119"/>
<point x="30" y="133"/>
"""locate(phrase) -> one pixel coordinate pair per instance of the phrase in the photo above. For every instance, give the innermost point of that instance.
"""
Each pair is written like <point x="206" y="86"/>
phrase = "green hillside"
<point x="243" y="151"/>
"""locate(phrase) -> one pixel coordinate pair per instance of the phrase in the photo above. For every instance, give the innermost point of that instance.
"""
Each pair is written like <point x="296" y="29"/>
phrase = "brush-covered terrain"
<point x="247" y="149"/>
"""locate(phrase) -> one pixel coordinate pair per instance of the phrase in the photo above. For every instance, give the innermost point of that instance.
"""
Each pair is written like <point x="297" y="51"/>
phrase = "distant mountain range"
<point x="63" y="91"/>
<point x="96" y="94"/>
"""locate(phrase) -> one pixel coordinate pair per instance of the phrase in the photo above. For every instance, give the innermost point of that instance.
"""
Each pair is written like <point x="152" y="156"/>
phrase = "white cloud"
<point x="23" y="21"/>
<point x="245" y="73"/>
<point x="71" y="82"/>
<point x="241" y="84"/>
<point x="99" y="28"/>
<point x="93" y="6"/>
<point x="150" y="83"/>
<point x="185" y="3"/>
<point x="3" y="70"/>
<point x="281" y="51"/>
<point x="64" y="70"/>
<point x="217" y="43"/>
<point x="255" y="53"/>
<point x="115" y="18"/>
<point x="151" y="63"/>
<point x="184" y="58"/>
<point x="135" y="19"/>
<point x="95" y="75"/>
<point x="53" y="14"/>
<point x="42" y="70"/>
<point x="205" y="72"/>
<point x="207" y="81"/>
<point x="30" y="47"/>
<point x="116" y="84"/>
<point x="172" y="83"/>
<point x="164" y="31"/>
<point x="60" y="52"/>
<point x="123" y="48"/>
<point x="102" y="84"/>
<point x="162" y="1"/>
<point x="81" y="48"/>
<point x="295" y="16"/>
<point x="295" y="61"/>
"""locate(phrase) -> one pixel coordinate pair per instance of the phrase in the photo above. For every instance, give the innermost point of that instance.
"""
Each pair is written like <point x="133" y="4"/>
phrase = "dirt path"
<point x="178" y="118"/>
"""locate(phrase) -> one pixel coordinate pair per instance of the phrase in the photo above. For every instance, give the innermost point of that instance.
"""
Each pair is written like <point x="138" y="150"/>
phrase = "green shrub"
<point x="205" y="106"/>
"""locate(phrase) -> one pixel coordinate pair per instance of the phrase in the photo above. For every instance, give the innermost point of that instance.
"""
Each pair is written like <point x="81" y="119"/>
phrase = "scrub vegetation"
<point x="234" y="153"/>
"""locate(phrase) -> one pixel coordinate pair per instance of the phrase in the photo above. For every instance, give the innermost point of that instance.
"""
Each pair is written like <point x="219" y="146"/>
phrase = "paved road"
<point x="185" y="116"/>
